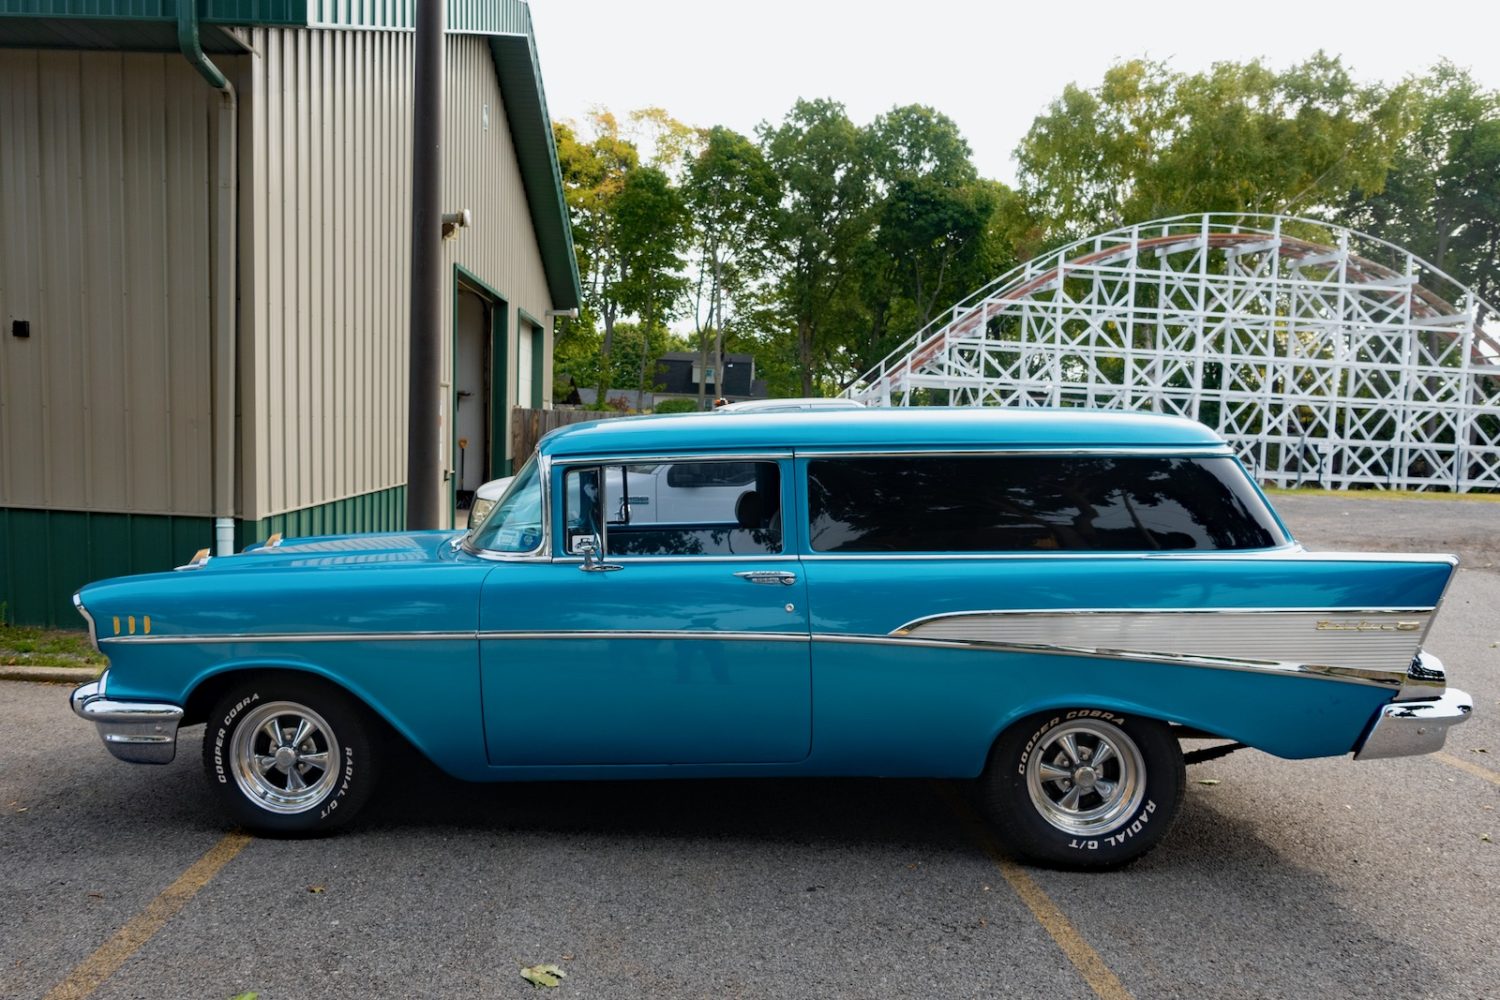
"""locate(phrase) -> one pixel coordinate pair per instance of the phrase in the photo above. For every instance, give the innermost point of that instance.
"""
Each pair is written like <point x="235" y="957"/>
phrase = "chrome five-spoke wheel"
<point x="1085" y="777"/>
<point x="1083" y="787"/>
<point x="290" y="754"/>
<point x="285" y="757"/>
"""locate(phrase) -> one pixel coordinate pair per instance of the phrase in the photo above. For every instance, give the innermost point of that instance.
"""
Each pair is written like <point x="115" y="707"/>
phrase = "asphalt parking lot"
<point x="1282" y="879"/>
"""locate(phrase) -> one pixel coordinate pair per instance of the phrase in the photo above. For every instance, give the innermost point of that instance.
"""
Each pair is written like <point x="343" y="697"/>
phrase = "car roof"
<point x="879" y="429"/>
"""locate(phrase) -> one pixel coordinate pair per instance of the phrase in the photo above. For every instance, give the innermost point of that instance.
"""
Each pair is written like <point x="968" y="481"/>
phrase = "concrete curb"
<point x="49" y="675"/>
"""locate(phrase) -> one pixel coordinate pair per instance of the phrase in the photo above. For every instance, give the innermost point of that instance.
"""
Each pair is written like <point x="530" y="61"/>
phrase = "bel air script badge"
<point x="1365" y="625"/>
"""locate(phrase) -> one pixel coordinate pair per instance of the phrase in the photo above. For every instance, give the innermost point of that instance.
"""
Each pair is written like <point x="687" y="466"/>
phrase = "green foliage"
<point x="1150" y="142"/>
<point x="1442" y="197"/>
<point x="821" y="245"/>
<point x="677" y="406"/>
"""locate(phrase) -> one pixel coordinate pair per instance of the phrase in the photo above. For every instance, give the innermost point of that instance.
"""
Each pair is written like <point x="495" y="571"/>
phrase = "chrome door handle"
<point x="768" y="576"/>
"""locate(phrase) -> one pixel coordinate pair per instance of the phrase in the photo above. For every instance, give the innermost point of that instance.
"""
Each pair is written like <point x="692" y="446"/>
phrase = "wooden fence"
<point x="527" y="427"/>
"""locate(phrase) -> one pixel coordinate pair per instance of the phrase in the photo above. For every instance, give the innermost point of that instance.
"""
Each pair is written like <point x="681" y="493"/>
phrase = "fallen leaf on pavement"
<point x="315" y="889"/>
<point x="543" y="975"/>
<point x="1208" y="781"/>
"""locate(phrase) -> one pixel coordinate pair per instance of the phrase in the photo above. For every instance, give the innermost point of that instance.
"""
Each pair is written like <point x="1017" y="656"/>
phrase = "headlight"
<point x="480" y="510"/>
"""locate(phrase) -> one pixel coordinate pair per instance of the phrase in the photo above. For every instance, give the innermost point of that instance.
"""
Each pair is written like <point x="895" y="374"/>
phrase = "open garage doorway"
<point x="479" y="382"/>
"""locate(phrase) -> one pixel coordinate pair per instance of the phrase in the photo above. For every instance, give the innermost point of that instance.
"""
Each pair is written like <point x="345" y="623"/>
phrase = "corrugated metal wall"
<point x="481" y="175"/>
<point x="105" y="170"/>
<point x="325" y="250"/>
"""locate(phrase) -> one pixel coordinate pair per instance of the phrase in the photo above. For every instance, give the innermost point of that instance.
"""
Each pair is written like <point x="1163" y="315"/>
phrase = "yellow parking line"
<point x="1105" y="984"/>
<point x="115" y="952"/>
<point x="1493" y="777"/>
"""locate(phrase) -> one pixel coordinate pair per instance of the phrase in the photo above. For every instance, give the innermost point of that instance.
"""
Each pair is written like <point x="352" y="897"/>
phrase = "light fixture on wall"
<point x="568" y="313"/>
<point x="454" y="221"/>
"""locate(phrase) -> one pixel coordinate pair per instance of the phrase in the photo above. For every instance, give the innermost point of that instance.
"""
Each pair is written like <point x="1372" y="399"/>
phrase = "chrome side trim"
<point x="659" y="634"/>
<point x="1329" y="672"/>
<point x="1408" y="728"/>
<point x="291" y="637"/>
<point x="450" y="636"/>
<point x="134" y="731"/>
<point x="1291" y="552"/>
<point x="1381" y="641"/>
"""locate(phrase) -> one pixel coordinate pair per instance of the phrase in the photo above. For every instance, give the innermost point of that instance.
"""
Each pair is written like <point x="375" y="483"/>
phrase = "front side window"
<point x="515" y="525"/>
<point x="1031" y="503"/>
<point x="683" y="508"/>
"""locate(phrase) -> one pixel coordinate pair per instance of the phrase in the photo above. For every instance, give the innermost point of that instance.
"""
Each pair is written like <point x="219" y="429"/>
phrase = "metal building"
<point x="203" y="277"/>
<point x="1325" y="356"/>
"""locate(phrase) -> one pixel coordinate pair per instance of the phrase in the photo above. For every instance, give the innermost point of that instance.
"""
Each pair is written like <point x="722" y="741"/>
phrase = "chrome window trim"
<point x="543" y="552"/>
<point x="585" y="463"/>
<point x="668" y="458"/>
<point x="966" y="451"/>
<point x="695" y="560"/>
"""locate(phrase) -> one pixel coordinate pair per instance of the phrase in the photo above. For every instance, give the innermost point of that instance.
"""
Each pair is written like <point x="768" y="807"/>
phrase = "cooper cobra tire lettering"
<point x="223" y="732"/>
<point x="1072" y="838"/>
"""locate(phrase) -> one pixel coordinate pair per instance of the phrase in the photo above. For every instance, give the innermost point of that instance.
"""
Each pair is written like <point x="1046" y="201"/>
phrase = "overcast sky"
<point x="991" y="66"/>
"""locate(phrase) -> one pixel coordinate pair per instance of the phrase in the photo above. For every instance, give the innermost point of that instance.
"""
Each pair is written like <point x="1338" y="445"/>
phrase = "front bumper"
<point x="136" y="731"/>
<point x="1406" y="728"/>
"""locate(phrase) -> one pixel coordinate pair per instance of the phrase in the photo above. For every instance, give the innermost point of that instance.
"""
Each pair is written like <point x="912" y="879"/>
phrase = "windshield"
<point x="515" y="525"/>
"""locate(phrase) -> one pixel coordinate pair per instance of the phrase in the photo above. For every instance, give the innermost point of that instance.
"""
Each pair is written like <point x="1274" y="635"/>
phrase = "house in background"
<point x="678" y="374"/>
<point x="204" y="265"/>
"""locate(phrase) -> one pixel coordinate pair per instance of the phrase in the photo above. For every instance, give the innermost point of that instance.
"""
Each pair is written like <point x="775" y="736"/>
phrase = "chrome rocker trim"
<point x="138" y="732"/>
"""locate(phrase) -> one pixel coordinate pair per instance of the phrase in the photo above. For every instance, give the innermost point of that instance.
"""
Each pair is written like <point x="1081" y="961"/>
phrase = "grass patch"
<point x="23" y="646"/>
<point x="1278" y="491"/>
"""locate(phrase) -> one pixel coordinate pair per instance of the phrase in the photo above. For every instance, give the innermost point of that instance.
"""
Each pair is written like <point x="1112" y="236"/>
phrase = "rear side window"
<point x="1032" y="503"/>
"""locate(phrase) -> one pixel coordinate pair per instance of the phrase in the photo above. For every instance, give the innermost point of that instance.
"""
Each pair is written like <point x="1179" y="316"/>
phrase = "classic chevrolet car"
<point x="1045" y="601"/>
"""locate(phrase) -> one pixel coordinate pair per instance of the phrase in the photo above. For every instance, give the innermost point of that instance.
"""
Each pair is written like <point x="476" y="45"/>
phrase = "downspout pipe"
<point x="223" y="263"/>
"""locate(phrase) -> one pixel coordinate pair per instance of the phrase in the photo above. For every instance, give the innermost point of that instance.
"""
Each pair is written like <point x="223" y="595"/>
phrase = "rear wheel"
<point x="1083" y="788"/>
<point x="289" y="755"/>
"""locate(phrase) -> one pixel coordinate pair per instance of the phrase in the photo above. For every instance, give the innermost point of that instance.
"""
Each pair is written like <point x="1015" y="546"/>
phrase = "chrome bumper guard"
<point x="136" y="731"/>
<point x="1418" y="726"/>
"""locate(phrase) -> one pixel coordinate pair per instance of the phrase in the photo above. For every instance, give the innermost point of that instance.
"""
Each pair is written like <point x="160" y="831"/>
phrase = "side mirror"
<point x="588" y="546"/>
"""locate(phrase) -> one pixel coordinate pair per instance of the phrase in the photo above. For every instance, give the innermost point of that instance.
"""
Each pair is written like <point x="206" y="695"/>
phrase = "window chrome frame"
<point x="543" y="552"/>
<point x="805" y="457"/>
<point x="565" y="463"/>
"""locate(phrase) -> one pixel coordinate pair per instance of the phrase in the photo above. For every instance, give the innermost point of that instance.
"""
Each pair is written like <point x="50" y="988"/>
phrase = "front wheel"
<point x="1083" y="788"/>
<point x="289" y="755"/>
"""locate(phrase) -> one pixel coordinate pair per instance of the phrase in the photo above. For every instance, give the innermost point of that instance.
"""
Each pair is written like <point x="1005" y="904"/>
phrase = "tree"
<point x="1441" y="199"/>
<point x="593" y="175"/>
<point x="821" y="158"/>
<point x="931" y="226"/>
<point x="650" y="225"/>
<point x="733" y="196"/>
<point x="1150" y="142"/>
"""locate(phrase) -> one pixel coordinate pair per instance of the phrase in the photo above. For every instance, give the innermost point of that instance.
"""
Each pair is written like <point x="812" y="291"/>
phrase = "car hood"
<point x="365" y="550"/>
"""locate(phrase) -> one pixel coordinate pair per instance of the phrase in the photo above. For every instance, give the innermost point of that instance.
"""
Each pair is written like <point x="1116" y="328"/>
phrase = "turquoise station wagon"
<point x="1045" y="601"/>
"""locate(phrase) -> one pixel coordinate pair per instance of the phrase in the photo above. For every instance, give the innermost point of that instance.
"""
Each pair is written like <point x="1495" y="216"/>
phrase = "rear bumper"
<point x="1407" y="728"/>
<point x="135" y="731"/>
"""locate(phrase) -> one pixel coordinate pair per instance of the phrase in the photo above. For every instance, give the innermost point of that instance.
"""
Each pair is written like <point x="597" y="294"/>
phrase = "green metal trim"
<point x="538" y="334"/>
<point x="381" y="510"/>
<point x="240" y="12"/>
<point x="520" y="73"/>
<point x="500" y="464"/>
<point x="46" y="555"/>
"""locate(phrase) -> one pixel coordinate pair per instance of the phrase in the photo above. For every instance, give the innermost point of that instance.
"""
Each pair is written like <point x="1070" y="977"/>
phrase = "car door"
<point x="672" y="643"/>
